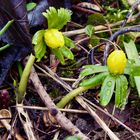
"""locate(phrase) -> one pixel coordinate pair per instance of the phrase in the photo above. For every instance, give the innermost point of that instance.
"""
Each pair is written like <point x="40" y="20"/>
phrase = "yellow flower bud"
<point x="54" y="38"/>
<point x="116" y="62"/>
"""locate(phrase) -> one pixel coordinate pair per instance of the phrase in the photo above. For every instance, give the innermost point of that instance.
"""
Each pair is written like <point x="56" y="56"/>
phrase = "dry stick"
<point x="53" y="75"/>
<point x="61" y="119"/>
<point x="27" y="124"/>
<point x="99" y="121"/>
<point x="8" y="127"/>
<point x="99" y="27"/>
<point x="61" y="109"/>
<point x="97" y="118"/>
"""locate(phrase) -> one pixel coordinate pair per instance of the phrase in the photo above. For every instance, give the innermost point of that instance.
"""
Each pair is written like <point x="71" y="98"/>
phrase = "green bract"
<point x="109" y="83"/>
<point x="133" y="55"/>
<point x="30" y="6"/>
<point x="121" y="91"/>
<point x="40" y="46"/>
<point x="57" y="18"/>
<point x="107" y="90"/>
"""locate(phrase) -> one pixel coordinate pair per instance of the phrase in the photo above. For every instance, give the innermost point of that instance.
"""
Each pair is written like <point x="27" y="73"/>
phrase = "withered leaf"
<point x="17" y="35"/>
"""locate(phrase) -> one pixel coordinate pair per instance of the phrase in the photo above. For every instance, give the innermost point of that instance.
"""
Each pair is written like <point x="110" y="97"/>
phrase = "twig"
<point x="97" y="118"/>
<point x="99" y="27"/>
<point x="61" y="119"/>
<point x="113" y="111"/>
<point x="26" y="122"/>
<point x="122" y="31"/>
<point x="45" y="108"/>
<point x="80" y="46"/>
<point x="56" y="135"/>
<point x="63" y="78"/>
<point x="52" y="75"/>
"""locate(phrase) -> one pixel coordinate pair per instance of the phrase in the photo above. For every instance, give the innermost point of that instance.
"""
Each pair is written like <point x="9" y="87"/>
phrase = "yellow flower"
<point x="54" y="38"/>
<point x="116" y="62"/>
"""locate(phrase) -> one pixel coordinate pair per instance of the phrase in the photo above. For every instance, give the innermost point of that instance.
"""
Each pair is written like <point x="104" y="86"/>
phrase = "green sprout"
<point x="112" y="77"/>
<point x="72" y="138"/>
<point x="52" y="38"/>
<point x="2" y="31"/>
<point x="30" y="6"/>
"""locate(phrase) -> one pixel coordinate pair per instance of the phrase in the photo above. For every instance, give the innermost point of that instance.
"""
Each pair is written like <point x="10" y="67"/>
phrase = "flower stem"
<point x="71" y="95"/>
<point x="4" y="47"/>
<point x="3" y="30"/>
<point x="24" y="78"/>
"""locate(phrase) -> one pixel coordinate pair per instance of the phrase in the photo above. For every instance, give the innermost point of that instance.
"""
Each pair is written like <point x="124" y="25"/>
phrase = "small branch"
<point x="122" y="31"/>
<point x="26" y="123"/>
<point x="52" y="75"/>
<point x="61" y="119"/>
<point x="99" y="27"/>
<point x="61" y="109"/>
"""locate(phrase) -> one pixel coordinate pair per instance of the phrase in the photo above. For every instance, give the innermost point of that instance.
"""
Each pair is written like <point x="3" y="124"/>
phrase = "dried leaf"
<point x="17" y="35"/>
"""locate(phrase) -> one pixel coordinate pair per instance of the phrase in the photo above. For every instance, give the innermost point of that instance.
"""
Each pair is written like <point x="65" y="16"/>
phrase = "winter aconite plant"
<point x="52" y="37"/>
<point x="112" y="77"/>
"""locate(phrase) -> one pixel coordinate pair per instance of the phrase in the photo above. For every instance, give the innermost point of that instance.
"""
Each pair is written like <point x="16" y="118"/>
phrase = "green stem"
<point x="4" y="47"/>
<point x="71" y="95"/>
<point x="3" y="30"/>
<point x="20" y="70"/>
<point x="24" y="78"/>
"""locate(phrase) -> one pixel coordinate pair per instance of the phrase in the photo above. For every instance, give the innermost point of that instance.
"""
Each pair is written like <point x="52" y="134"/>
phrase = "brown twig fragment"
<point x="61" y="119"/>
<point x="26" y="122"/>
